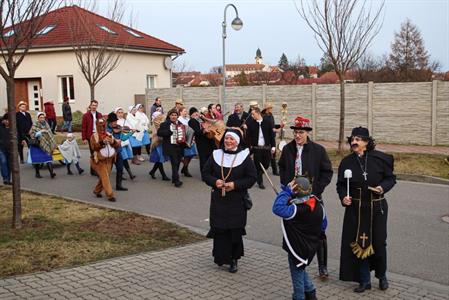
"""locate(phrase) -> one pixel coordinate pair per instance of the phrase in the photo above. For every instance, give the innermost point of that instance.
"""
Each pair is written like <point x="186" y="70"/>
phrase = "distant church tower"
<point x="258" y="57"/>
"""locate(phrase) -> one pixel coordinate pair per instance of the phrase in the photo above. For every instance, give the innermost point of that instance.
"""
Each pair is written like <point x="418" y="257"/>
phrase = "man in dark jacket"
<point x="262" y="144"/>
<point x="24" y="124"/>
<point x="5" y="155"/>
<point x="238" y="118"/>
<point x="303" y="157"/>
<point x="157" y="104"/>
<point x="67" y="115"/>
<point x="169" y="147"/>
<point x="88" y="126"/>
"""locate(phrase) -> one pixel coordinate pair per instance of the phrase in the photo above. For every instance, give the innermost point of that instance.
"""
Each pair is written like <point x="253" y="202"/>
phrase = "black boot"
<point x="128" y="169"/>
<point x="161" y="169"/>
<point x="185" y="171"/>
<point x="118" y="182"/>
<point x="50" y="169"/>
<point x="80" y="170"/>
<point x="274" y="167"/>
<point x="233" y="266"/>
<point x="310" y="295"/>
<point x="38" y="173"/>
<point x="322" y="258"/>
<point x="69" y="172"/>
<point x="153" y="171"/>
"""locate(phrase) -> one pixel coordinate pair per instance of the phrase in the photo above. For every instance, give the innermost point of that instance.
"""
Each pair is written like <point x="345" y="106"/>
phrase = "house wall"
<point x="399" y="113"/>
<point x="116" y="89"/>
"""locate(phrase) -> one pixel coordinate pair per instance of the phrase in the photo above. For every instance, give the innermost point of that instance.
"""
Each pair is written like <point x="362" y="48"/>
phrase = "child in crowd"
<point x="71" y="153"/>
<point x="303" y="217"/>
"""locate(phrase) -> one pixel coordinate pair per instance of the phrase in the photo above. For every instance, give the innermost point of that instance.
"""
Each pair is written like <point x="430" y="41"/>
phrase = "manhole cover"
<point x="445" y="219"/>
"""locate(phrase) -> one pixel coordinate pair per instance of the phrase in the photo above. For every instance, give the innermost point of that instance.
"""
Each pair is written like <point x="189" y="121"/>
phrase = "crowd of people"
<point x="233" y="156"/>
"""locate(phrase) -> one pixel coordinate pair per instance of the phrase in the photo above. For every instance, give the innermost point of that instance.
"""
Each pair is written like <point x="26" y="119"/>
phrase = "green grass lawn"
<point x="60" y="233"/>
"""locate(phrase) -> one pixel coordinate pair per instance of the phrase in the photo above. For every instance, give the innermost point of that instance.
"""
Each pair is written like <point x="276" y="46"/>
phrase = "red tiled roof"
<point x="313" y="70"/>
<point x="61" y="35"/>
<point x="244" y="67"/>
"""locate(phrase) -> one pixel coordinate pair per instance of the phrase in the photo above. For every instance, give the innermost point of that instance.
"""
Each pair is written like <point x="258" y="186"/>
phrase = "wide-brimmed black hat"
<point x="301" y="123"/>
<point x="192" y="110"/>
<point x="360" y="132"/>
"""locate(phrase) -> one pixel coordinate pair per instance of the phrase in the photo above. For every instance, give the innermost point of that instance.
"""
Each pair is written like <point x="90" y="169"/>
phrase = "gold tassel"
<point x="360" y="252"/>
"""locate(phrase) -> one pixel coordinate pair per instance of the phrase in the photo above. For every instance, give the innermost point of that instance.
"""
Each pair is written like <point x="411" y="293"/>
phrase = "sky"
<point x="275" y="27"/>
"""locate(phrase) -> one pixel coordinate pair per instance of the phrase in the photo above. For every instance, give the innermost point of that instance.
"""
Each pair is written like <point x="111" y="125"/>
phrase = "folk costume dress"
<point x="157" y="155"/>
<point x="42" y="152"/>
<point x="227" y="211"/>
<point x="365" y="220"/>
<point x="143" y="126"/>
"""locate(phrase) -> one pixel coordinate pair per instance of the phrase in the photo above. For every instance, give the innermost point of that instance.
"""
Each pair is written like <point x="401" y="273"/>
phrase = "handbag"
<point x="32" y="141"/>
<point x="247" y="202"/>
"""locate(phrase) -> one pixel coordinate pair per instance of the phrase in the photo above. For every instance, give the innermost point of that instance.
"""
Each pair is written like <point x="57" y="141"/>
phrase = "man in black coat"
<point x="67" y="115"/>
<point x="204" y="145"/>
<point x="303" y="157"/>
<point x="24" y="124"/>
<point x="261" y="141"/>
<point x="5" y="154"/>
<point x="172" y="150"/>
<point x="238" y="118"/>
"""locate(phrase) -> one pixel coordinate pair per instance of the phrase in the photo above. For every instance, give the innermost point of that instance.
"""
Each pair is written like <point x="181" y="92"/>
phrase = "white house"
<point x="50" y="71"/>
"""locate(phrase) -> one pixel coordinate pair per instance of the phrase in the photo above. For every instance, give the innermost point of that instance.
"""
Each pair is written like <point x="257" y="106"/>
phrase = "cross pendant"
<point x="363" y="238"/>
<point x="365" y="175"/>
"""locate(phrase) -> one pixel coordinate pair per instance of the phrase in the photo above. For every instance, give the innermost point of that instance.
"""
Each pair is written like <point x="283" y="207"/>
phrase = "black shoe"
<point x="322" y="271"/>
<point x="6" y="182"/>
<point x="98" y="195"/>
<point x="152" y="175"/>
<point x="165" y="178"/>
<point x="310" y="295"/>
<point x="362" y="287"/>
<point x="120" y="188"/>
<point x="233" y="267"/>
<point x="178" y="183"/>
<point x="80" y="171"/>
<point x="132" y="176"/>
<point x="53" y="175"/>
<point x="383" y="284"/>
<point x="69" y="172"/>
<point x="261" y="186"/>
<point x="38" y="175"/>
<point x="112" y="199"/>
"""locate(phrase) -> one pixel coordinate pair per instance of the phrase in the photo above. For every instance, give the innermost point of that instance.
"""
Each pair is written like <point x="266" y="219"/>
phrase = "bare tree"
<point x="20" y="23"/>
<point x="343" y="29"/>
<point x="97" y="55"/>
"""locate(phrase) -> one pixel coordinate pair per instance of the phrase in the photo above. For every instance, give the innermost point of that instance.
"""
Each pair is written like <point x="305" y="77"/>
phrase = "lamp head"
<point x="237" y="24"/>
<point x="348" y="173"/>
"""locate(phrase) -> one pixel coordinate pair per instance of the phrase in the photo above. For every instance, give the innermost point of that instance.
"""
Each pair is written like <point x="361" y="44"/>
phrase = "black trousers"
<point x="175" y="160"/>
<point x="261" y="156"/>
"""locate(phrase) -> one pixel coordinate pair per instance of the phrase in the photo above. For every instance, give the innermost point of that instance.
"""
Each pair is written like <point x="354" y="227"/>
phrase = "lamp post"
<point x="236" y="24"/>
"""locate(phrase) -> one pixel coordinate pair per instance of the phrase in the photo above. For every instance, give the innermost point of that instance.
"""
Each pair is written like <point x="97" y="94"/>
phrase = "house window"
<point x="67" y="87"/>
<point x="46" y="29"/>
<point x="105" y="28"/>
<point x="151" y="81"/>
<point x="133" y="33"/>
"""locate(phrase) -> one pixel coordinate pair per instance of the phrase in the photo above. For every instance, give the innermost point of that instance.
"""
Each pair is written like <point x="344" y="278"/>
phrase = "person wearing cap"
<point x="303" y="219"/>
<point x="157" y="104"/>
<point x="104" y="146"/>
<point x="5" y="153"/>
<point x="66" y="115"/>
<point x="363" y="242"/>
<point x="71" y="153"/>
<point x="24" y="124"/>
<point x="261" y="142"/>
<point x="204" y="145"/>
<point x="50" y="115"/>
<point x="44" y="143"/>
<point x="179" y="104"/>
<point x="302" y="156"/>
<point x="267" y="113"/>
<point x="238" y="118"/>
<point x="230" y="172"/>
<point x="88" y="127"/>
<point x="173" y="151"/>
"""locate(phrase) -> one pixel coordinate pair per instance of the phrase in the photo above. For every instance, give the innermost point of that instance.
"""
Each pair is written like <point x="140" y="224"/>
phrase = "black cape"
<point x="365" y="221"/>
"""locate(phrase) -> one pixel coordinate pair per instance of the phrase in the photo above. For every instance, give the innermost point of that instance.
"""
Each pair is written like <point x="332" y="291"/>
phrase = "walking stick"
<point x="269" y="179"/>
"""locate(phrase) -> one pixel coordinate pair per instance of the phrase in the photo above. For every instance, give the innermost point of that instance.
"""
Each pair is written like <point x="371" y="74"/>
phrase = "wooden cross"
<point x="364" y="175"/>
<point x="363" y="238"/>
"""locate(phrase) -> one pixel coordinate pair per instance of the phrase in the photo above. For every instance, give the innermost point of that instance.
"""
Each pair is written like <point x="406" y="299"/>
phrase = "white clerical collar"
<point x="229" y="158"/>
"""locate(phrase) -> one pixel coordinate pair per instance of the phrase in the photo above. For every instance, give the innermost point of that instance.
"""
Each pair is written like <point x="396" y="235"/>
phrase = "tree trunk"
<point x="341" y="133"/>
<point x="15" y="168"/>
<point x="92" y="92"/>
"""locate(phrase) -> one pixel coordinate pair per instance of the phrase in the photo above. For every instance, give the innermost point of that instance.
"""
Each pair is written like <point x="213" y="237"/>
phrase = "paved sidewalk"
<point x="189" y="273"/>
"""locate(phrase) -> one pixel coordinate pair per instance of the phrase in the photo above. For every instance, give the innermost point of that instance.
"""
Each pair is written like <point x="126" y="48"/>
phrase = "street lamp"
<point x="236" y="24"/>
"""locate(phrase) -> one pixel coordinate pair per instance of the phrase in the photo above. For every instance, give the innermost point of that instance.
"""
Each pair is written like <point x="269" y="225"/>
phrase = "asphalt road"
<point x="418" y="240"/>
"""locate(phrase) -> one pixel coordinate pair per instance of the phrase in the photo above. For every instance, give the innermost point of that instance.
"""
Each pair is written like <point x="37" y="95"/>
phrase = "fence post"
<point x="370" y="107"/>
<point x="314" y="133"/>
<point x="434" y="111"/>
